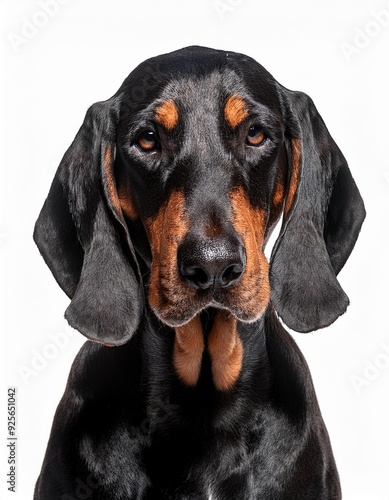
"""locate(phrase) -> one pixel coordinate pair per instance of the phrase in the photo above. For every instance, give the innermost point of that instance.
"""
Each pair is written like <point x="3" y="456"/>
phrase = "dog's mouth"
<point x="221" y="268"/>
<point x="177" y="307"/>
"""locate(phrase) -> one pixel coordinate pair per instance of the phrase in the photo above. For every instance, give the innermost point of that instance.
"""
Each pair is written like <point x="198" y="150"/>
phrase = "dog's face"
<point x="190" y="165"/>
<point x="203" y="167"/>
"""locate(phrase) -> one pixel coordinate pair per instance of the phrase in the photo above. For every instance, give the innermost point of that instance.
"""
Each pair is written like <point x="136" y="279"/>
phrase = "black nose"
<point x="211" y="262"/>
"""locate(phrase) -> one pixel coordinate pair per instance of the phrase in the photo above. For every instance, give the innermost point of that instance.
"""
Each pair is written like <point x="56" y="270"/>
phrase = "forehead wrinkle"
<point x="196" y="93"/>
<point x="198" y="99"/>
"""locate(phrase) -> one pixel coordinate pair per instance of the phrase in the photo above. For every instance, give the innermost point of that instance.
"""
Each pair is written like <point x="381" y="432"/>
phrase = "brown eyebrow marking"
<point x="167" y="114"/>
<point x="235" y="110"/>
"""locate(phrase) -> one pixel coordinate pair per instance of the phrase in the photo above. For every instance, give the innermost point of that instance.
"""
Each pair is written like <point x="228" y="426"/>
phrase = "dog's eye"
<point x="147" y="140"/>
<point x="255" y="136"/>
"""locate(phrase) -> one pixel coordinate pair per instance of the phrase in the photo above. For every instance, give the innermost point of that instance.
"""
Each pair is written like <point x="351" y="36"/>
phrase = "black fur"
<point x="127" y="427"/>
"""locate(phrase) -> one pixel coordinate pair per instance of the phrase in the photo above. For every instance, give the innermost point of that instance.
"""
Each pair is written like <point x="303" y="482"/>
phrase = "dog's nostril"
<point x="197" y="276"/>
<point x="214" y="263"/>
<point x="231" y="274"/>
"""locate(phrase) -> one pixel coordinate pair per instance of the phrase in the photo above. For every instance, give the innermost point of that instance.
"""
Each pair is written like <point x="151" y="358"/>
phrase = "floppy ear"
<point x="83" y="238"/>
<point x="323" y="215"/>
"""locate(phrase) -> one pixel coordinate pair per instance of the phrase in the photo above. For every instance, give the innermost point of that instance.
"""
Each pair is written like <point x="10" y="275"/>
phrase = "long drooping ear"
<point x="83" y="238"/>
<point x="323" y="215"/>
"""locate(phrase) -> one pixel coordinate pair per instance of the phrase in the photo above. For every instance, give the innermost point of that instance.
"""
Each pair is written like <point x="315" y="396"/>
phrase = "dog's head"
<point x="188" y="167"/>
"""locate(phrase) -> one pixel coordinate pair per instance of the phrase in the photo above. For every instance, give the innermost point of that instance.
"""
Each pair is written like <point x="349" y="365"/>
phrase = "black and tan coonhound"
<point x="155" y="227"/>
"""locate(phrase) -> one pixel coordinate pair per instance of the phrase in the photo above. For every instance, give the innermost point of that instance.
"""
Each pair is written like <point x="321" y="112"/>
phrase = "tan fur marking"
<point x="167" y="114"/>
<point x="294" y="176"/>
<point x="278" y="196"/>
<point x="188" y="351"/>
<point x="253" y="291"/>
<point x="126" y="202"/>
<point x="120" y="198"/>
<point x="278" y="199"/>
<point x="111" y="184"/>
<point x="165" y="232"/>
<point x="235" y="110"/>
<point x="226" y="351"/>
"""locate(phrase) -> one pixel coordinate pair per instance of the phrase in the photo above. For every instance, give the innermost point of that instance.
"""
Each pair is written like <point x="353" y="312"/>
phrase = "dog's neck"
<point x="222" y="361"/>
<point x="272" y="370"/>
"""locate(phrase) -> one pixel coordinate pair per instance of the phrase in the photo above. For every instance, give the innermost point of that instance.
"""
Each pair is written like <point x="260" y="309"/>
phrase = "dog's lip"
<point x="174" y="318"/>
<point x="176" y="321"/>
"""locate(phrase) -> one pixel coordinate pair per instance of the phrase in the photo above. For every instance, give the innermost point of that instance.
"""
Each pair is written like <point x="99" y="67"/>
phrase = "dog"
<point x="155" y="227"/>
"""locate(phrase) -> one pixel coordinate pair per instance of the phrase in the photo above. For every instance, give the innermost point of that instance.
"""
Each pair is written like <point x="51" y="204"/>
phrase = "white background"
<point x="336" y="51"/>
